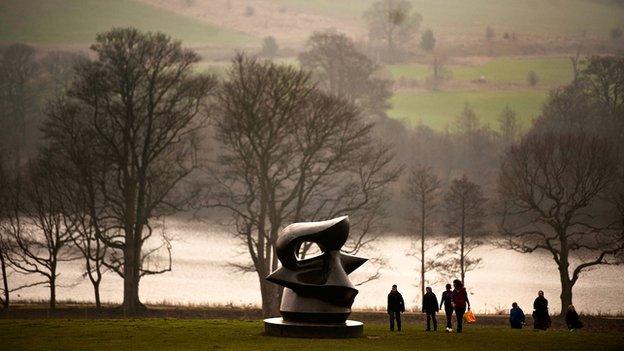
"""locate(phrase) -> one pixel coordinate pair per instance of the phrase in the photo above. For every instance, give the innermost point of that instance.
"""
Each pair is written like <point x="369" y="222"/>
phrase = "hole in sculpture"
<point x="308" y="249"/>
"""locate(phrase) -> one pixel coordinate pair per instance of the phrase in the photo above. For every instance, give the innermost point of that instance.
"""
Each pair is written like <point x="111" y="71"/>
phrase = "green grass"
<point x="551" y="70"/>
<point x="78" y="21"/>
<point x="172" y="334"/>
<point x="439" y="109"/>
<point x="453" y="17"/>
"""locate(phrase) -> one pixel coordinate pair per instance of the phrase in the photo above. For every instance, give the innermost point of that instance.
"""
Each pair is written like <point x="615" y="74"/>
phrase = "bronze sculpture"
<point x="317" y="294"/>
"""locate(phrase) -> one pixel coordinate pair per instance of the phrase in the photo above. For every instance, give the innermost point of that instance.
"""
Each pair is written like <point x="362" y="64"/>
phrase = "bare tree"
<point x="142" y="107"/>
<point x="342" y="70"/>
<point x="392" y="22"/>
<point x="552" y="187"/>
<point x="290" y="152"/>
<point x="605" y="80"/>
<point x="439" y="72"/>
<point x="422" y="190"/>
<point x="508" y="126"/>
<point x="38" y="237"/>
<point x="465" y="214"/>
<point x="18" y="73"/>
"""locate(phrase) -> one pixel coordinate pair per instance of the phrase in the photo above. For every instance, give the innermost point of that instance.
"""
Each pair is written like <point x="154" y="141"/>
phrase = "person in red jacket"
<point x="460" y="301"/>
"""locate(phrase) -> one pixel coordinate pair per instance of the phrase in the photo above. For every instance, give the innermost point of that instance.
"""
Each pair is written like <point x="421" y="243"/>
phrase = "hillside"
<point x="78" y="21"/>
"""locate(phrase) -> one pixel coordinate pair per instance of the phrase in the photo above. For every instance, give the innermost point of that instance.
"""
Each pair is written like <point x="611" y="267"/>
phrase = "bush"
<point x="616" y="33"/>
<point x="532" y="78"/>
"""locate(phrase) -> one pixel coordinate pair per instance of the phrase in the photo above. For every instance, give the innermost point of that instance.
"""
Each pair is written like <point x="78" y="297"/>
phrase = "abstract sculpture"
<point x="318" y="295"/>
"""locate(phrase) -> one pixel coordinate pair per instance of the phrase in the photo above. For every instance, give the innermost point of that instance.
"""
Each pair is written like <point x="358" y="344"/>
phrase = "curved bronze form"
<point x="317" y="290"/>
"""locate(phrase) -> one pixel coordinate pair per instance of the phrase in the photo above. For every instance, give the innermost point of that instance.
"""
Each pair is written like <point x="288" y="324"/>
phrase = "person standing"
<point x="573" y="321"/>
<point x="430" y="307"/>
<point x="516" y="316"/>
<point x="541" y="319"/>
<point x="396" y="306"/>
<point x="447" y="302"/>
<point x="460" y="301"/>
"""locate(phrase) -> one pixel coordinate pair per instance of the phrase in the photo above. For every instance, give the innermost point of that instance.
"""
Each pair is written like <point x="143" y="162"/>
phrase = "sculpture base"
<point x="280" y="327"/>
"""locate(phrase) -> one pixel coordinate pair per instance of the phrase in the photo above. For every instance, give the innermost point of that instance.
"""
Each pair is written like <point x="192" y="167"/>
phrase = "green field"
<point x="461" y="17"/>
<point x="550" y="70"/>
<point x="173" y="334"/>
<point x="78" y="21"/>
<point x="439" y="109"/>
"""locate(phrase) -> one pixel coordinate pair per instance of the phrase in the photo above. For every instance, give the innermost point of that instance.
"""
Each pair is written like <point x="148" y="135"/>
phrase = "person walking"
<point x="396" y="306"/>
<point x="541" y="319"/>
<point x="447" y="302"/>
<point x="430" y="307"/>
<point x="516" y="316"/>
<point x="573" y="321"/>
<point x="460" y="302"/>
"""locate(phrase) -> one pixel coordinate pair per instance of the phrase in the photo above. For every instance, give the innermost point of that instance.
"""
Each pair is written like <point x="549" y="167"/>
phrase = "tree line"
<point x="134" y="135"/>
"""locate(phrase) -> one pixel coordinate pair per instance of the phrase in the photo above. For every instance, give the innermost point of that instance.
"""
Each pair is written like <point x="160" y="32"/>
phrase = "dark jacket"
<point x="395" y="302"/>
<point x="460" y="298"/>
<point x="541" y="319"/>
<point x="540" y="305"/>
<point x="516" y="316"/>
<point x="447" y="300"/>
<point x="430" y="303"/>
<point x="573" y="320"/>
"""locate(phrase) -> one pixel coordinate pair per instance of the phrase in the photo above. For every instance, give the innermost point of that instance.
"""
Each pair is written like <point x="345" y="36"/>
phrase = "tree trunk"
<point x="566" y="288"/>
<point x="271" y="298"/>
<point x="422" y="250"/>
<point x="96" y="290"/>
<point x="5" y="282"/>
<point x="53" y="292"/>
<point x="131" y="303"/>
<point x="566" y="297"/>
<point x="463" y="238"/>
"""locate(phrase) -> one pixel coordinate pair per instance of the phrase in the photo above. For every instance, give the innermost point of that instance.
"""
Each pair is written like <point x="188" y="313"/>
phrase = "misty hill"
<point x="78" y="21"/>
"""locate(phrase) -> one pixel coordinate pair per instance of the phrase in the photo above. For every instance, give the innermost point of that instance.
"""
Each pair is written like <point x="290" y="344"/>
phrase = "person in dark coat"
<point x="460" y="302"/>
<point x="573" y="321"/>
<point x="396" y="306"/>
<point x="541" y="319"/>
<point x="516" y="317"/>
<point x="430" y="307"/>
<point x="447" y="302"/>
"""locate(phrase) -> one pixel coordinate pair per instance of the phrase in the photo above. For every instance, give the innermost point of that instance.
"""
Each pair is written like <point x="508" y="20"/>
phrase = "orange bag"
<point x="469" y="317"/>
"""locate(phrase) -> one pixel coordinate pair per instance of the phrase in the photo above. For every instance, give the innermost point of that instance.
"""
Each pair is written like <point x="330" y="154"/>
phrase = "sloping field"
<point x="552" y="18"/>
<point x="78" y="21"/>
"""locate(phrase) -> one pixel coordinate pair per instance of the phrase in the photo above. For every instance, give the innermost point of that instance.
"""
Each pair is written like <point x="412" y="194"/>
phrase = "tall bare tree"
<point x="392" y="22"/>
<point x="552" y="186"/>
<point x="290" y="152"/>
<point x="464" y="216"/>
<point x="422" y="190"/>
<point x="142" y="107"/>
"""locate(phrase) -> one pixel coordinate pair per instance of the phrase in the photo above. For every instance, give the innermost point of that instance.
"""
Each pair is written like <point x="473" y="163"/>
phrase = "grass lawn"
<point x="538" y="17"/>
<point x="550" y="70"/>
<point x="439" y="109"/>
<point x="174" y="334"/>
<point x="78" y="21"/>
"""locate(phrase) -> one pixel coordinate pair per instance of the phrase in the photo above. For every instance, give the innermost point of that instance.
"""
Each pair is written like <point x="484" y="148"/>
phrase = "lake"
<point x="201" y="275"/>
